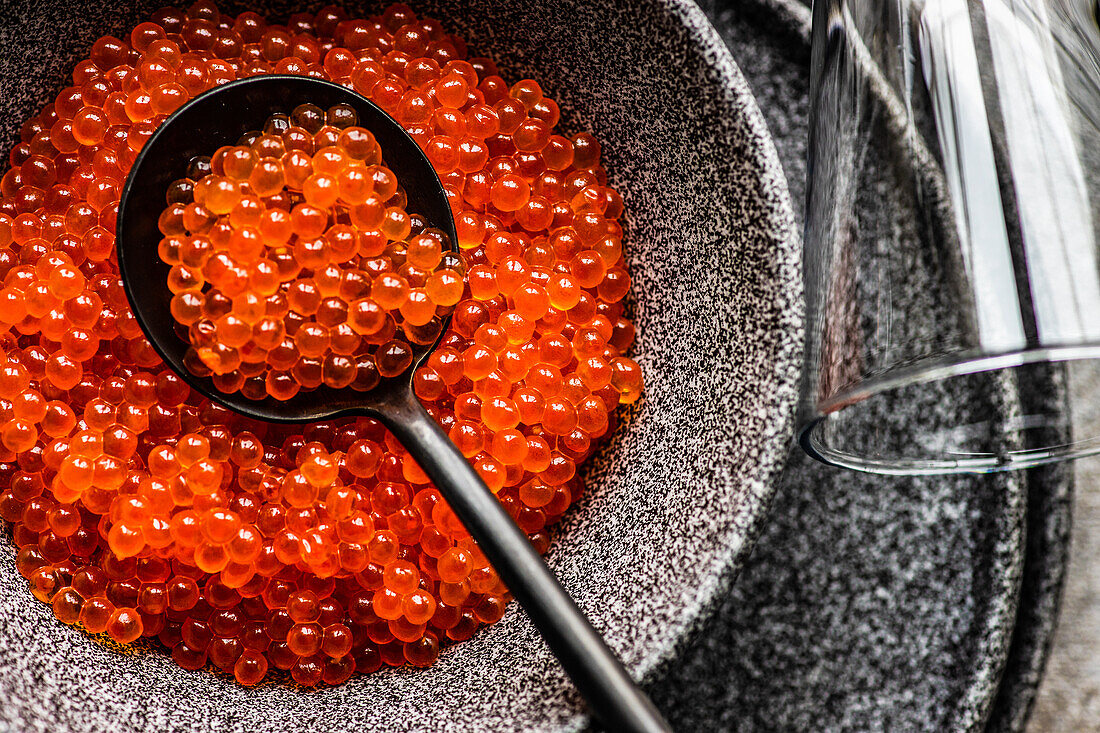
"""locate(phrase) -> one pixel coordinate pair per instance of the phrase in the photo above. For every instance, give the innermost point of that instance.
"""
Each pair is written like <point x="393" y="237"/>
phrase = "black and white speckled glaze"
<point x="871" y="603"/>
<point x="1050" y="502"/>
<point x="678" y="496"/>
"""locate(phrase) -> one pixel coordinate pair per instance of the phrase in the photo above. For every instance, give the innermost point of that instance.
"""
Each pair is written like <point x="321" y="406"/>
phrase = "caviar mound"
<point x="141" y="509"/>
<point x="294" y="262"/>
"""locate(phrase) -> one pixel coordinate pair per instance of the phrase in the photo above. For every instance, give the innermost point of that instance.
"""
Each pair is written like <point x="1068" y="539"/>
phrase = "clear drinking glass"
<point x="976" y="126"/>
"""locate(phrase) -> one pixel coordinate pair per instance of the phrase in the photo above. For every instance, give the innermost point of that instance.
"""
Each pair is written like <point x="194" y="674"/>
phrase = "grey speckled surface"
<point x="852" y="614"/>
<point x="1050" y="507"/>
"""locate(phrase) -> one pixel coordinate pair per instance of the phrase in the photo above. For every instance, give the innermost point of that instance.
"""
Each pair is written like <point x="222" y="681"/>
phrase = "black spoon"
<point x="220" y="117"/>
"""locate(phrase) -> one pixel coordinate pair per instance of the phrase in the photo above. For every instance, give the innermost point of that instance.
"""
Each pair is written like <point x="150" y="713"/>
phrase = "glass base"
<point x="965" y="414"/>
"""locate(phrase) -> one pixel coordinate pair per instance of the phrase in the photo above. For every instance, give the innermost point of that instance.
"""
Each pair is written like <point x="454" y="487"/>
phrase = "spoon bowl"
<point x="220" y="117"/>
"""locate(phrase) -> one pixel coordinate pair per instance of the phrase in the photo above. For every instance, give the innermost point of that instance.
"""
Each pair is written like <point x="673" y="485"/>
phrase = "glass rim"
<point x="935" y="369"/>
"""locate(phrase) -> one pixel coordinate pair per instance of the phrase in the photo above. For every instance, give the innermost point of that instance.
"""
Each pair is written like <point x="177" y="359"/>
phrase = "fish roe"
<point x="287" y="283"/>
<point x="141" y="510"/>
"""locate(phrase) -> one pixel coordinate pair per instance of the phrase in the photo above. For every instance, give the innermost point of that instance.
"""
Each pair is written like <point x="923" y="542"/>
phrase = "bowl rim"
<point x="737" y="542"/>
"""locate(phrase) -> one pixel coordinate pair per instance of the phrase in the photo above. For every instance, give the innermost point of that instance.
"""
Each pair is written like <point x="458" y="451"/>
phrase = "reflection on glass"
<point x="977" y="127"/>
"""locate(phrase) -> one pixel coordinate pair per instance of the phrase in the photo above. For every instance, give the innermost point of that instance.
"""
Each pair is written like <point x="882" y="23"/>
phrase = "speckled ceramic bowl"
<point x="675" y="499"/>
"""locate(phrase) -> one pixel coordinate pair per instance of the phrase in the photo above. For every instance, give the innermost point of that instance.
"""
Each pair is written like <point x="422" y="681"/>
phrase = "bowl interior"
<point x="677" y="496"/>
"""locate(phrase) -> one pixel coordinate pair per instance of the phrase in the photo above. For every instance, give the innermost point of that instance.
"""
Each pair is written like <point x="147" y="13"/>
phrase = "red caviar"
<point x="287" y="284"/>
<point x="141" y="509"/>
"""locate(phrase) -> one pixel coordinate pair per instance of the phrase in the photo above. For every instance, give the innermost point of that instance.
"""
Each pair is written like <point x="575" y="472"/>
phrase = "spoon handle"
<point x="611" y="694"/>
